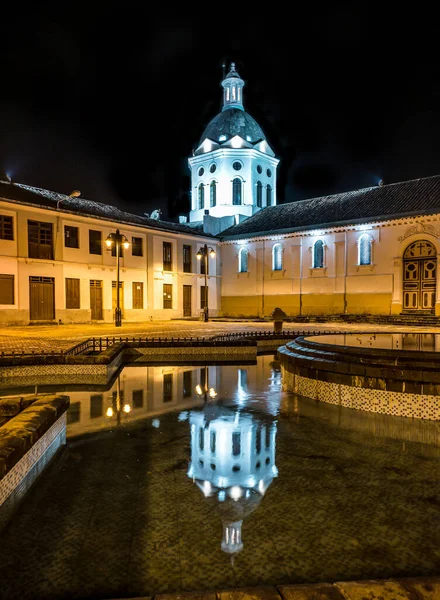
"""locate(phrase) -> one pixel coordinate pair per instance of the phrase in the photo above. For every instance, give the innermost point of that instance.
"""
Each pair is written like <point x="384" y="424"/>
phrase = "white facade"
<point x="53" y="282"/>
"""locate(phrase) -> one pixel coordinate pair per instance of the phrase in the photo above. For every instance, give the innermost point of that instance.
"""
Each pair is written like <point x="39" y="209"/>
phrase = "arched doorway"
<point x="419" y="277"/>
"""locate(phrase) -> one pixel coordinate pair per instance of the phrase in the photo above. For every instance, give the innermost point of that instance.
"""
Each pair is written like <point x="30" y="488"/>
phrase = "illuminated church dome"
<point x="232" y="122"/>
<point x="233" y="168"/>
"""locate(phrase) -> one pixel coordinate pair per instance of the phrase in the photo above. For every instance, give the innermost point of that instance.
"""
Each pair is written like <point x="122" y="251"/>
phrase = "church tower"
<point x="233" y="169"/>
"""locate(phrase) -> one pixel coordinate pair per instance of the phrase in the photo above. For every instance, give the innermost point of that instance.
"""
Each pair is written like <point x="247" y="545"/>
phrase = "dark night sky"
<point x="111" y="99"/>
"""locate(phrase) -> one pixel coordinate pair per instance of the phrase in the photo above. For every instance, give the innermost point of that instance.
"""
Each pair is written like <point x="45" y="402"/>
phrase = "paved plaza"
<point x="38" y="338"/>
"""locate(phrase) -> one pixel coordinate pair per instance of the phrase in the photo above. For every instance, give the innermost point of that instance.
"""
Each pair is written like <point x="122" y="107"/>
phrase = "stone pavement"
<point x="46" y="338"/>
<point x="397" y="589"/>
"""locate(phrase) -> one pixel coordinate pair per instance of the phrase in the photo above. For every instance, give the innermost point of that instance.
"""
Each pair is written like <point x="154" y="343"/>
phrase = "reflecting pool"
<point x="425" y="342"/>
<point x="185" y="478"/>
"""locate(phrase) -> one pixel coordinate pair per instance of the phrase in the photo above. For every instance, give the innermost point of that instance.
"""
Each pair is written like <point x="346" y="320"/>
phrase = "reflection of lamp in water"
<point x="205" y="391"/>
<point x="118" y="406"/>
<point x="233" y="464"/>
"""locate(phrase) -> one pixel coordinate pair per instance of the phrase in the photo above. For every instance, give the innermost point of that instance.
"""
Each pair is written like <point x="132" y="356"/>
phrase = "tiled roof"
<point x="379" y="203"/>
<point x="25" y="194"/>
<point x="232" y="122"/>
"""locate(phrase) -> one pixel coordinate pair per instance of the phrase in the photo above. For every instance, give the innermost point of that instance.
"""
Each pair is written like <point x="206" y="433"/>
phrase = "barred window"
<point x="136" y="246"/>
<point x="6" y="228"/>
<point x="243" y="260"/>
<point x="365" y="243"/>
<point x="71" y="236"/>
<point x="167" y="256"/>
<point x="318" y="254"/>
<point x="95" y="243"/>
<point x="277" y="258"/>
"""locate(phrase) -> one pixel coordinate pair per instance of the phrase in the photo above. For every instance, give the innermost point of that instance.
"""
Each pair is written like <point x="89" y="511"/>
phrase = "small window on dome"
<point x="269" y="173"/>
<point x="236" y="165"/>
<point x="213" y="167"/>
<point x="248" y="138"/>
<point x="259" y="169"/>
<point x="201" y="171"/>
<point x="221" y="138"/>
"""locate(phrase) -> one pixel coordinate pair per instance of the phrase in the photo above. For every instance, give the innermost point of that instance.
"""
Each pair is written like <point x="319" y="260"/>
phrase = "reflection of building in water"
<point x="233" y="463"/>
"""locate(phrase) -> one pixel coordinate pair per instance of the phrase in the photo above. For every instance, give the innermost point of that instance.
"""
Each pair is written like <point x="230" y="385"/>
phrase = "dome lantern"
<point x="232" y="89"/>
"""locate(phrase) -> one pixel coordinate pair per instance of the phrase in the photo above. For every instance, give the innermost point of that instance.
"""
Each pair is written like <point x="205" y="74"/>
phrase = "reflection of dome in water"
<point x="233" y="464"/>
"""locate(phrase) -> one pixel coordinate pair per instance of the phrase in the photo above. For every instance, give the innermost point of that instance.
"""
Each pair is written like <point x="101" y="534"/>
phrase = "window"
<point x="365" y="243"/>
<point x="268" y="172"/>
<point x="203" y="291"/>
<point x="71" y="236"/>
<point x="95" y="244"/>
<point x="268" y="196"/>
<point x="236" y="165"/>
<point x="213" y="168"/>
<point x="318" y="254"/>
<point x="213" y="193"/>
<point x="138" y="398"/>
<point x="201" y="195"/>
<point x="236" y="191"/>
<point x="168" y="387"/>
<point x="187" y="259"/>
<point x="236" y="443"/>
<point x="121" y="250"/>
<point x="6" y="289"/>
<point x="277" y="258"/>
<point x="72" y="293"/>
<point x="204" y="265"/>
<point x="259" y="169"/>
<point x="40" y="240"/>
<point x="258" y="440"/>
<point x="167" y="295"/>
<point x="259" y="194"/>
<point x="201" y="439"/>
<point x="243" y="260"/>
<point x="167" y="256"/>
<point x="6" y="230"/>
<point x="138" y="294"/>
<point x="212" y="441"/>
<point x="136" y="246"/>
<point x="74" y="413"/>
<point x="187" y="384"/>
<point x="267" y="440"/>
<point x="96" y="403"/>
<point x="201" y="171"/>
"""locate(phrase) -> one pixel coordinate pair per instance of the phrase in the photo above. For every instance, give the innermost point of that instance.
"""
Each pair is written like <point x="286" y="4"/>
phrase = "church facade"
<point x="368" y="251"/>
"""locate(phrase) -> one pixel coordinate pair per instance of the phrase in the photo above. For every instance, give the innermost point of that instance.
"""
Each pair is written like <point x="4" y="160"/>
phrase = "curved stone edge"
<point x="20" y="433"/>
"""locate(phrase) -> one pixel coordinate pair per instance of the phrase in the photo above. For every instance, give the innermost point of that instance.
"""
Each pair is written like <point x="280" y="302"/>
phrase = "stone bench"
<point x="28" y="441"/>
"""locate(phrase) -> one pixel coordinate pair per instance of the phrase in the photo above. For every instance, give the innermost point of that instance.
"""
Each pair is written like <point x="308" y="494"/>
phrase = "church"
<point x="372" y="251"/>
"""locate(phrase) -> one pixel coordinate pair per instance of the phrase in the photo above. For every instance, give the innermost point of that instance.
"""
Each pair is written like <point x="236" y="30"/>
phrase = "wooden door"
<point x="419" y="277"/>
<point x="96" y="299"/>
<point x="121" y="297"/>
<point x="187" y="308"/>
<point x="41" y="298"/>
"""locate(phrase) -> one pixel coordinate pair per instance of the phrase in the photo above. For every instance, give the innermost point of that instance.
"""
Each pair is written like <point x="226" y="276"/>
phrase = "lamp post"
<point x="206" y="391"/>
<point x="117" y="239"/>
<point x="118" y="408"/>
<point x="203" y="253"/>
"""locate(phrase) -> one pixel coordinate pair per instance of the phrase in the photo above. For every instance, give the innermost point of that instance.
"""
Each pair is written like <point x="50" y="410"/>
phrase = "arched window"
<point x="277" y="258"/>
<point x="365" y="242"/>
<point x="201" y="196"/>
<point x="318" y="254"/>
<point x="268" y="196"/>
<point x="259" y="194"/>
<point x="236" y="191"/>
<point x="213" y="193"/>
<point x="243" y="260"/>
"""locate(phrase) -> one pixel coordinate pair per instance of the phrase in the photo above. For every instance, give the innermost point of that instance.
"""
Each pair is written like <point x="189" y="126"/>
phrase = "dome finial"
<point x="232" y="66"/>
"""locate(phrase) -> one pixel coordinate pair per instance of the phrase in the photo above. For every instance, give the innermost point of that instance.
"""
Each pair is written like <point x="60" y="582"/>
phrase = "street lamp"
<point x="206" y="391"/>
<point x="203" y="253"/>
<point x="126" y="408"/>
<point x="117" y="239"/>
